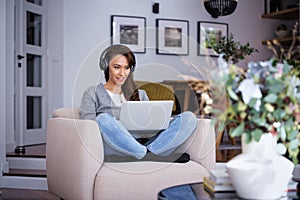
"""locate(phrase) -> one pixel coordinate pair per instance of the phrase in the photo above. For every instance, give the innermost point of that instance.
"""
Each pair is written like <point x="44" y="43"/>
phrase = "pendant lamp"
<point x="218" y="8"/>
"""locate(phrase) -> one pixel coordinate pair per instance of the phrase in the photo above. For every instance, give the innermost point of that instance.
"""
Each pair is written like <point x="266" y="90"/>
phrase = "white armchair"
<point x="76" y="167"/>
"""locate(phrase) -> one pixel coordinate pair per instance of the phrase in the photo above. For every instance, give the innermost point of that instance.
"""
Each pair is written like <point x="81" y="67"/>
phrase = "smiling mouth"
<point x="121" y="79"/>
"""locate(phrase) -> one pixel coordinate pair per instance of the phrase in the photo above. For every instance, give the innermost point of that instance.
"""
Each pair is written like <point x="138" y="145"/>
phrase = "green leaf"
<point x="292" y="134"/>
<point x="247" y="138"/>
<point x="252" y="102"/>
<point x="243" y="115"/>
<point x="257" y="133"/>
<point x="260" y="121"/>
<point x="269" y="107"/>
<point x="237" y="131"/>
<point x="275" y="86"/>
<point x="279" y="114"/>
<point x="286" y="68"/>
<point x="294" y="144"/>
<point x="271" y="98"/>
<point x="241" y="107"/>
<point x="232" y="94"/>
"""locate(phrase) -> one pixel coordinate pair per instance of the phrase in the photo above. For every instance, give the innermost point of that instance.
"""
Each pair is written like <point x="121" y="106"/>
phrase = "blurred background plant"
<point x="262" y="98"/>
<point x="233" y="51"/>
<point x="290" y="54"/>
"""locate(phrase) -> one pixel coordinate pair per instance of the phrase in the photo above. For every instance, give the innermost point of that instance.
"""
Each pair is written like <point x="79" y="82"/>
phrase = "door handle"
<point x="20" y="57"/>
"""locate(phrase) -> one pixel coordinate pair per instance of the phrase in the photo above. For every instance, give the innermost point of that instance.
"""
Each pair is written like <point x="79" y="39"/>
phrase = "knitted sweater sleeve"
<point x="88" y="104"/>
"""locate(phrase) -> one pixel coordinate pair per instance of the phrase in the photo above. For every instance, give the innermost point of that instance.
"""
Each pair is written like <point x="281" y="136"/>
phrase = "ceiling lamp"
<point x="218" y="8"/>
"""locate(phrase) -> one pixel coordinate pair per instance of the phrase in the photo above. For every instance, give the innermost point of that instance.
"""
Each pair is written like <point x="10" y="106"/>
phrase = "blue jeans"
<point x="117" y="139"/>
<point x="181" y="192"/>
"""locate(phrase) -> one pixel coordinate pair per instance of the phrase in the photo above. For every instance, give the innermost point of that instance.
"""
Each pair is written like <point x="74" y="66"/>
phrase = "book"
<point x="221" y="195"/>
<point x="292" y="186"/>
<point x="217" y="187"/>
<point x="219" y="175"/>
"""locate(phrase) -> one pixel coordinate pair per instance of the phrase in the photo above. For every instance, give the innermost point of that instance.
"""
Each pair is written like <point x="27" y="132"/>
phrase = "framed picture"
<point x="172" y="37"/>
<point x="129" y="31"/>
<point x="210" y="33"/>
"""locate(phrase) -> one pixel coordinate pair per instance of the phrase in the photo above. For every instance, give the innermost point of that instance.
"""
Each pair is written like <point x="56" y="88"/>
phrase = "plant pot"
<point x="281" y="33"/>
<point x="259" y="172"/>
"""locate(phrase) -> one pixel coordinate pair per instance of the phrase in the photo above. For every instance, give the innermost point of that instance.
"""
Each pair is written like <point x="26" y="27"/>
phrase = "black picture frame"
<point x="208" y="32"/>
<point x="172" y="37"/>
<point x="129" y="31"/>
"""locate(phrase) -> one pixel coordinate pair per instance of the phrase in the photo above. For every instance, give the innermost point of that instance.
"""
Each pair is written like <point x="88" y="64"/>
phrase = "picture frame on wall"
<point x="172" y="37"/>
<point x="129" y="31"/>
<point x="210" y="33"/>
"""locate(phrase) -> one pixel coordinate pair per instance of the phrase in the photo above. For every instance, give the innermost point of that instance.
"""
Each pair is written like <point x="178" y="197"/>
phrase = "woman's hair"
<point x="129" y="88"/>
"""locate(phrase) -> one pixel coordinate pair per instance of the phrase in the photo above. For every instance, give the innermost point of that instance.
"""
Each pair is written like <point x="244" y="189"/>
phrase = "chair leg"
<point x="219" y="139"/>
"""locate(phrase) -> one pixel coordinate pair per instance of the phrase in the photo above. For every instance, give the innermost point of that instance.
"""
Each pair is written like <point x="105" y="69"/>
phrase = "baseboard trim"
<point x="10" y="147"/>
<point x="31" y="183"/>
<point x="26" y="163"/>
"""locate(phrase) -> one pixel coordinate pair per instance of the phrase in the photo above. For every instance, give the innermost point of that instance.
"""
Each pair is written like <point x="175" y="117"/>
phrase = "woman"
<point x="103" y="102"/>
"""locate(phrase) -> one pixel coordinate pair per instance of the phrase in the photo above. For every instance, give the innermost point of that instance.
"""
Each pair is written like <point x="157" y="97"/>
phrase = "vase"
<point x="259" y="172"/>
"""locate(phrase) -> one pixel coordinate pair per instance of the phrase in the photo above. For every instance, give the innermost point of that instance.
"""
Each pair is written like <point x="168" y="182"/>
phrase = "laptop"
<point x="146" y="116"/>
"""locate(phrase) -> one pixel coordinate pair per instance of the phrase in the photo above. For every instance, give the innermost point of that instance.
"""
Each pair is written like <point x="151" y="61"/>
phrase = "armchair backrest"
<point x="72" y="113"/>
<point x="158" y="91"/>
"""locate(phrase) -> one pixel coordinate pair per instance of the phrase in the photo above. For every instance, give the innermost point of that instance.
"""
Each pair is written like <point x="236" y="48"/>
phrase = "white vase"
<point x="259" y="172"/>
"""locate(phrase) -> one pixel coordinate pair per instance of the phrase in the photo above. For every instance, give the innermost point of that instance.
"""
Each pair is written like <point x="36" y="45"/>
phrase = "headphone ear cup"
<point x="103" y="61"/>
<point x="132" y="68"/>
<point x="103" y="64"/>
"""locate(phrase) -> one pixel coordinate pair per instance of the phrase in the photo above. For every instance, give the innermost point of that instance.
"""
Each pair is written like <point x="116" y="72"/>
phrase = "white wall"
<point x="55" y="55"/>
<point x="9" y="75"/>
<point x="2" y="86"/>
<point x="87" y="33"/>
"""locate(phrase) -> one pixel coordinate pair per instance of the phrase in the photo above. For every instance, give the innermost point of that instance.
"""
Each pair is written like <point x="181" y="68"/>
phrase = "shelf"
<point x="287" y="14"/>
<point x="286" y="41"/>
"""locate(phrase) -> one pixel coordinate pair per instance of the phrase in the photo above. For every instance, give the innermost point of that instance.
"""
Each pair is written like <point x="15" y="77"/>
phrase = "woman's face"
<point x="119" y="70"/>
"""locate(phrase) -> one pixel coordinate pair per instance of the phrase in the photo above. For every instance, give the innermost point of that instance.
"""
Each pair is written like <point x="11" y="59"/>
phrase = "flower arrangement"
<point x="263" y="99"/>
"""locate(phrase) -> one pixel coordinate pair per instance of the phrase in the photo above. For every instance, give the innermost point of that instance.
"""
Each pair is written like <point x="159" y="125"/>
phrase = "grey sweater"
<point x="96" y="100"/>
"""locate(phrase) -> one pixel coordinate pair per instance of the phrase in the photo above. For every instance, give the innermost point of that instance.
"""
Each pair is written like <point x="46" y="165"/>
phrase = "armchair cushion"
<point x="72" y="113"/>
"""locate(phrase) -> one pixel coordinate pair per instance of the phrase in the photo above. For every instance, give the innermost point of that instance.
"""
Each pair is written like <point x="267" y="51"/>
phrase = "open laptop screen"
<point x="146" y="116"/>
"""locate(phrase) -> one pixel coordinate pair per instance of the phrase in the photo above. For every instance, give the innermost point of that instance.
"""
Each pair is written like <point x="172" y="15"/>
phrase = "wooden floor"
<point x="225" y="152"/>
<point x="19" y="194"/>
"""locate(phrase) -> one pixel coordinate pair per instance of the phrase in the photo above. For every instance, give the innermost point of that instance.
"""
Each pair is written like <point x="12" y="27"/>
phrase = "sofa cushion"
<point x="72" y="113"/>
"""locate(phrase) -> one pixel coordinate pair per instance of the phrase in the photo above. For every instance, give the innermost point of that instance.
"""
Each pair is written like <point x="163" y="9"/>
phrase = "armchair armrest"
<point x="201" y="145"/>
<point x="74" y="155"/>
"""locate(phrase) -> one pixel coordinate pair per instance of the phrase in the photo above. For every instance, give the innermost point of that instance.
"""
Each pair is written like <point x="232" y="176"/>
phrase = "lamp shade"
<point x="218" y="8"/>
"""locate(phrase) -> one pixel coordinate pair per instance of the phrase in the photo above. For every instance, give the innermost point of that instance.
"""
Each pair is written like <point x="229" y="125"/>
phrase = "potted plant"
<point x="281" y="31"/>
<point x="233" y="51"/>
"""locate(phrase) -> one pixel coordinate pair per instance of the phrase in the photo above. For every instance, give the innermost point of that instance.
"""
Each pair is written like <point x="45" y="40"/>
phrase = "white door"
<point x="30" y="72"/>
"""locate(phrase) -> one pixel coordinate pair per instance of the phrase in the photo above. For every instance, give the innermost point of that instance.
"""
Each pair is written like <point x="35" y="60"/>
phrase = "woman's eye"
<point x="117" y="67"/>
<point x="128" y="67"/>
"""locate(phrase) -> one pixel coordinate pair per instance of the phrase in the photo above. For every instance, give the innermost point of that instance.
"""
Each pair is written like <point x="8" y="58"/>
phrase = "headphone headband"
<point x="113" y="50"/>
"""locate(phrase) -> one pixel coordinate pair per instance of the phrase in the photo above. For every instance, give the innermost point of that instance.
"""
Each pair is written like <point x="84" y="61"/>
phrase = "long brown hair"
<point x="130" y="89"/>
